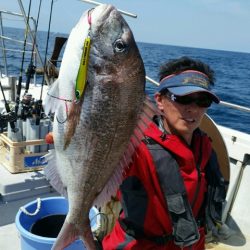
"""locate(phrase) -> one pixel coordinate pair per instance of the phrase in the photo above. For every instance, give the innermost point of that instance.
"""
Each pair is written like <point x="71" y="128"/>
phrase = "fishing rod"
<point x="31" y="68"/>
<point x="19" y="86"/>
<point x="32" y="38"/>
<point x="39" y="103"/>
<point x="227" y="104"/>
<point x="28" y="103"/>
<point x="10" y="116"/>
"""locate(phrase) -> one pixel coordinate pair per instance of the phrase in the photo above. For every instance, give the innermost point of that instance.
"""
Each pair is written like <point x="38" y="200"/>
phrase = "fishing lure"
<point x="81" y="79"/>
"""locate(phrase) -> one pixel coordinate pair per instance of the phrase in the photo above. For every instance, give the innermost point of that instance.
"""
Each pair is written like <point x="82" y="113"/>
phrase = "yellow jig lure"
<point x="81" y="79"/>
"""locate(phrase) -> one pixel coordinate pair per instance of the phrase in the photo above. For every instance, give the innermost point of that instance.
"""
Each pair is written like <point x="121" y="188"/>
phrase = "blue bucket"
<point x="49" y="206"/>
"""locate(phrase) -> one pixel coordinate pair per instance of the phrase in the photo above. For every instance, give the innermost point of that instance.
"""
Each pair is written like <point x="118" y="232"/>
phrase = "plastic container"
<point x="14" y="157"/>
<point x="48" y="206"/>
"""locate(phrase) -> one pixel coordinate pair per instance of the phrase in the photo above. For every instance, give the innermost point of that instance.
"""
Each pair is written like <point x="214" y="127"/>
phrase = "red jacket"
<point x="142" y="199"/>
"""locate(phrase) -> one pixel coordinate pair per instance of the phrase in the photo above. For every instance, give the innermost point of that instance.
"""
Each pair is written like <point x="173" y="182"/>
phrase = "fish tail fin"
<point x="145" y="119"/>
<point x="51" y="100"/>
<point x="67" y="235"/>
<point x="52" y="174"/>
<point x="88" y="238"/>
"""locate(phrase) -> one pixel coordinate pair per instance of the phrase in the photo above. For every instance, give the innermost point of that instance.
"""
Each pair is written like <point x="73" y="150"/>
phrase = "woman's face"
<point x="181" y="119"/>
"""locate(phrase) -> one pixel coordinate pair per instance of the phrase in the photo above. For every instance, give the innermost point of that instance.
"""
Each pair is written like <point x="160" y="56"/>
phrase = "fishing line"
<point x="67" y="116"/>
<point x="19" y="86"/>
<point x="66" y="106"/>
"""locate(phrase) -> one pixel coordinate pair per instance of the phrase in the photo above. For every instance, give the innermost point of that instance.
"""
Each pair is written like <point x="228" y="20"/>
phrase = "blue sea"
<point x="232" y="71"/>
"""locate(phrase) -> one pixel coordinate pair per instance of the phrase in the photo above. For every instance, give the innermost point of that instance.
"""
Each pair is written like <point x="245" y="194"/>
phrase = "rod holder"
<point x="12" y="85"/>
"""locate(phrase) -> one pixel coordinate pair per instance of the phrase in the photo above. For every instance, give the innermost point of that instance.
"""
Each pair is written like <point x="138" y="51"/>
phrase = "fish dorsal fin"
<point x="145" y="118"/>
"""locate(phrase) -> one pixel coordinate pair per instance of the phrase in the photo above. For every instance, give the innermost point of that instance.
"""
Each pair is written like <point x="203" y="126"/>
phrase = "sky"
<point x="210" y="24"/>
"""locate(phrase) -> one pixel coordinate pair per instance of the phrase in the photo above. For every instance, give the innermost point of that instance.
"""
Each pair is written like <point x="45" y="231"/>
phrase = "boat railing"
<point x="234" y="106"/>
<point x="4" y="38"/>
<point x="223" y="103"/>
<point x="30" y="32"/>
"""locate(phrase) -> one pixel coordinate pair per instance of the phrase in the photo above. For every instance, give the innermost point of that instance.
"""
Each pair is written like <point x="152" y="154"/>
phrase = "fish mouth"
<point x="104" y="11"/>
<point x="108" y="9"/>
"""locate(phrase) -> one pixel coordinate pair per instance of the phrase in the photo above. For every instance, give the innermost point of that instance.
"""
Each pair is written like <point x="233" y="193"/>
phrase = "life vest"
<point x="185" y="229"/>
<point x="159" y="205"/>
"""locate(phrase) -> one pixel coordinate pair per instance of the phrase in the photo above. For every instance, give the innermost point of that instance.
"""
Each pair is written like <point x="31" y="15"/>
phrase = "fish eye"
<point x="119" y="46"/>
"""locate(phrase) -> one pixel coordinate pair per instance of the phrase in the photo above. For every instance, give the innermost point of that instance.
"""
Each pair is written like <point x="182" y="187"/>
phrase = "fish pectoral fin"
<point x="145" y="119"/>
<point x="68" y="234"/>
<point x="149" y="110"/>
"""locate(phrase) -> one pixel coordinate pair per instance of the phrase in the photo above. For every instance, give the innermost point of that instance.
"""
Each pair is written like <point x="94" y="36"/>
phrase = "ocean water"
<point x="232" y="71"/>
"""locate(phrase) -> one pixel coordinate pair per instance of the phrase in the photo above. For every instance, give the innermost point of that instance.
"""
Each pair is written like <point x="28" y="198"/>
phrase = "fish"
<point x="92" y="133"/>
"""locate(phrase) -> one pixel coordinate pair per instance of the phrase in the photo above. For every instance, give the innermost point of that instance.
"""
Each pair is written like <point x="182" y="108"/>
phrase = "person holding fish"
<point x="173" y="191"/>
<point x="172" y="185"/>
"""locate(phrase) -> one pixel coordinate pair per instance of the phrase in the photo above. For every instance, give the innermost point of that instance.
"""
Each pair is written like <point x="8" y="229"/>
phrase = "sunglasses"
<point x="202" y="101"/>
